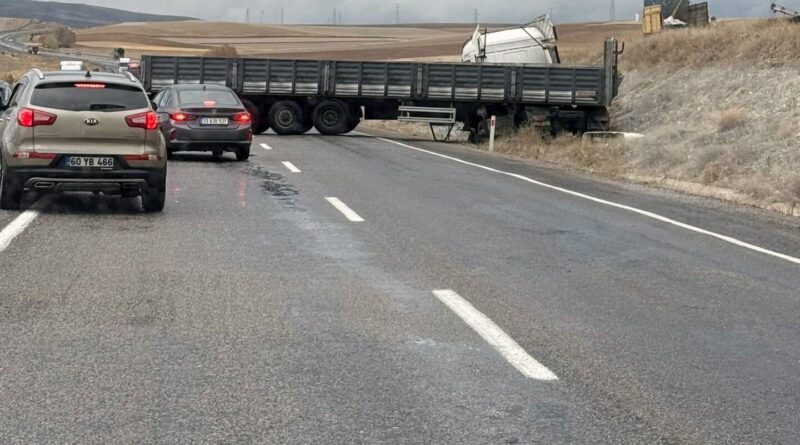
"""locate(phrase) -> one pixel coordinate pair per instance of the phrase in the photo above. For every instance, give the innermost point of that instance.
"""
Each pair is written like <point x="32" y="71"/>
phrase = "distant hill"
<point x="76" y="15"/>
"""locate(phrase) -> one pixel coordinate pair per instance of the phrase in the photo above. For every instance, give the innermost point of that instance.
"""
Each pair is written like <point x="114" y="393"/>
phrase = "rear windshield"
<point x="208" y="99"/>
<point x="89" y="96"/>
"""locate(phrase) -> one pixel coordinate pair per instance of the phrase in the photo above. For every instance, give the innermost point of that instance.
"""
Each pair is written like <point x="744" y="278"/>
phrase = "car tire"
<point x="258" y="122"/>
<point x="242" y="153"/>
<point x="286" y="118"/>
<point x="10" y="192"/>
<point x="331" y="117"/>
<point x="155" y="196"/>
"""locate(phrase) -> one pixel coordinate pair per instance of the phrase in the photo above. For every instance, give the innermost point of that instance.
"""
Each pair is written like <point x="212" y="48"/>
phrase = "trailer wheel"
<point x="332" y="117"/>
<point x="286" y="117"/>
<point x="355" y="118"/>
<point x="353" y="124"/>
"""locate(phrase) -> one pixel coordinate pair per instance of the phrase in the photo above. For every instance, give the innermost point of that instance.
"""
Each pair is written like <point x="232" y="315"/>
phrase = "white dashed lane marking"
<point x="495" y="336"/>
<point x="346" y="211"/>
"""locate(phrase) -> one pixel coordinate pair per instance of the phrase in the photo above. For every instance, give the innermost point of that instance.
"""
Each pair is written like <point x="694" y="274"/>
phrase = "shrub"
<point x="65" y="37"/>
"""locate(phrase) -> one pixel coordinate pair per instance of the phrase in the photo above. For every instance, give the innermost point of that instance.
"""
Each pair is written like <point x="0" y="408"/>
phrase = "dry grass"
<point x="720" y="109"/>
<point x="14" y="65"/>
<point x="732" y="118"/>
<point x="737" y="43"/>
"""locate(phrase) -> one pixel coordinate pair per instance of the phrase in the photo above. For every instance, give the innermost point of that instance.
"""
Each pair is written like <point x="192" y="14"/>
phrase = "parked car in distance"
<point x="204" y="118"/>
<point x="71" y="131"/>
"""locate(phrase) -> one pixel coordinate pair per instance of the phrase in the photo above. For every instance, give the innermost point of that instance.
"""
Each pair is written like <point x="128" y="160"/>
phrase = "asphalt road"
<point x="254" y="310"/>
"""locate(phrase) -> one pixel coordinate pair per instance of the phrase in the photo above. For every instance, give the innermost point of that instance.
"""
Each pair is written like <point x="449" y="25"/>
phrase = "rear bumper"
<point x="185" y="138"/>
<point x="116" y="182"/>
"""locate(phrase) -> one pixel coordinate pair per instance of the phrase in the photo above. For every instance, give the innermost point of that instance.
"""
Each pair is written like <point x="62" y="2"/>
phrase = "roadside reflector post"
<point x="492" y="125"/>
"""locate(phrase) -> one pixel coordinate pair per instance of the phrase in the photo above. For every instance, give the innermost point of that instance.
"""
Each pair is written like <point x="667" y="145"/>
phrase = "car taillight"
<point x="147" y="120"/>
<point x="33" y="155"/>
<point x="141" y="157"/>
<point x="242" y="117"/>
<point x="33" y="118"/>
<point x="182" y="117"/>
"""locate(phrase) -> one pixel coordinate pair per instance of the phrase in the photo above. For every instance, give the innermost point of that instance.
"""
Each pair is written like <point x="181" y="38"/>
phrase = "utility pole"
<point x="262" y="16"/>
<point x="613" y="11"/>
<point x="340" y="17"/>
<point x="247" y="17"/>
<point x="476" y="16"/>
<point x="397" y="15"/>
<point x="334" y="17"/>
<point x="282" y="22"/>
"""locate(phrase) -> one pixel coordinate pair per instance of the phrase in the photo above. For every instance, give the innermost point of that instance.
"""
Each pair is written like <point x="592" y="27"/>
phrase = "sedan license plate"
<point x="90" y="162"/>
<point x="214" y="121"/>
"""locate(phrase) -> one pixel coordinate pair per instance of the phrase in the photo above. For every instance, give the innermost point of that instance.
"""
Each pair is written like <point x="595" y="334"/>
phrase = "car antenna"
<point x="88" y="74"/>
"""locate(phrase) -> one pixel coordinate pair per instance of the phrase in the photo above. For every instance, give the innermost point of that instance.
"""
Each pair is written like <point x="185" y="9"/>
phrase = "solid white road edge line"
<point x="265" y="146"/>
<point x="495" y="336"/>
<point x="641" y="212"/>
<point x="346" y="211"/>
<point x="291" y="167"/>
<point x="15" y="227"/>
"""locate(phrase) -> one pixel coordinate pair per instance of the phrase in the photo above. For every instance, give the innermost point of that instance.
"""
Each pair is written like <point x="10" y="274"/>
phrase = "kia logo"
<point x="91" y="121"/>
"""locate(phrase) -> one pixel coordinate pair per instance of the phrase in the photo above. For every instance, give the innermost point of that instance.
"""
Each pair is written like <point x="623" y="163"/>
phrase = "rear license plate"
<point x="214" y="121"/>
<point x="90" y="162"/>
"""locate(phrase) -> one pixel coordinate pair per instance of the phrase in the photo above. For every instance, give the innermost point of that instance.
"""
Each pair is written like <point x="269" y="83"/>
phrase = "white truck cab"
<point x="531" y="43"/>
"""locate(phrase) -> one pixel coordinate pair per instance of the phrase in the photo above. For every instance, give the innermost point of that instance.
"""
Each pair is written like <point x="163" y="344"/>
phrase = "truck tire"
<point x="356" y="115"/>
<point x="353" y="124"/>
<point x="258" y="122"/>
<point x="286" y="117"/>
<point x="10" y="192"/>
<point x="332" y="117"/>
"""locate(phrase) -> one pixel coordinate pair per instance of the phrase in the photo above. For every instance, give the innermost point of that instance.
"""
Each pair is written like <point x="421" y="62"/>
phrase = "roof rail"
<point x="38" y="73"/>
<point x="131" y="76"/>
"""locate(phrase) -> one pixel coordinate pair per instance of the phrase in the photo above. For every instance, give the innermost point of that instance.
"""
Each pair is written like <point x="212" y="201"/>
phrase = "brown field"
<point x="579" y="42"/>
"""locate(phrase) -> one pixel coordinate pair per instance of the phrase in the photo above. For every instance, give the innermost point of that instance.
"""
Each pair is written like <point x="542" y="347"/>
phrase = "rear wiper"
<point x="105" y="106"/>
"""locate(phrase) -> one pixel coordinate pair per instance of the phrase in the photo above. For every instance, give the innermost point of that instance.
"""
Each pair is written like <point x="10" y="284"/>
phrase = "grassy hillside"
<point x="75" y="15"/>
<point x="720" y="109"/>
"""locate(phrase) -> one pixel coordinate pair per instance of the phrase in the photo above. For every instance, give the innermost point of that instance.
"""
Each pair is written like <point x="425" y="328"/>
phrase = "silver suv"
<point x="81" y="132"/>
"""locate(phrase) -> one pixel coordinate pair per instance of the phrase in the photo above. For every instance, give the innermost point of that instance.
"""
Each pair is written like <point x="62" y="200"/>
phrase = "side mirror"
<point x="153" y="104"/>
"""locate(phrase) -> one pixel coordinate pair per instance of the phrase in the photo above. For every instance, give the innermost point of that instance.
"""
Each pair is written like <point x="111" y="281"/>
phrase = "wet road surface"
<point x="379" y="293"/>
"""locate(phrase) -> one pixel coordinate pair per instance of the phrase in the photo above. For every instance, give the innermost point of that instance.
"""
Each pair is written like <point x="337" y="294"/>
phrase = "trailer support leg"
<point x="446" y="137"/>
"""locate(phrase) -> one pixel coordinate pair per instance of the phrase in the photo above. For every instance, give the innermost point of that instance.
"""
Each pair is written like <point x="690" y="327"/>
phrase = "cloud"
<point x="430" y="11"/>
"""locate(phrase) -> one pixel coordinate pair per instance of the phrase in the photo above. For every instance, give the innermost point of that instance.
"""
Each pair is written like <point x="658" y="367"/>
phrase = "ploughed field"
<point x="579" y="42"/>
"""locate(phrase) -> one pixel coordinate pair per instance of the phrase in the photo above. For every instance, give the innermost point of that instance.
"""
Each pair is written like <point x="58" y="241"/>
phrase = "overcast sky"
<point x="383" y="11"/>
